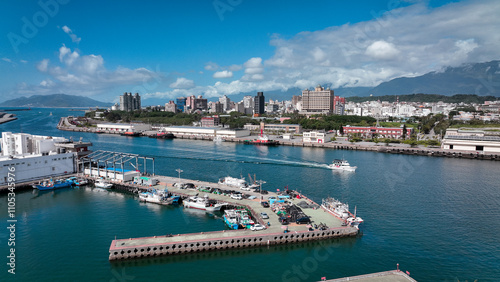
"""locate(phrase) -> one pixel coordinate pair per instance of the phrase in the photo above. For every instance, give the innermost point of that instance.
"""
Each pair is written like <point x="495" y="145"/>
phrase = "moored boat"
<point x="78" y="181"/>
<point x="100" y="183"/>
<point x="131" y="134"/>
<point x="51" y="185"/>
<point x="202" y="203"/>
<point x="161" y="197"/>
<point x="342" y="165"/>
<point x="231" y="219"/>
<point x="341" y="210"/>
<point x="262" y="139"/>
<point x="162" y="135"/>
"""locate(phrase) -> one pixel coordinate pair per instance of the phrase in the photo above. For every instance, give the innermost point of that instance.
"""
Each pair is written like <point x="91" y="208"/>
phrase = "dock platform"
<point x="229" y="239"/>
<point x="386" y="276"/>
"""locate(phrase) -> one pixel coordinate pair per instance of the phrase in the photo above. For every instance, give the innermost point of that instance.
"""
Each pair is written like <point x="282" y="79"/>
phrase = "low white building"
<point x="316" y="137"/>
<point x="124" y="127"/>
<point x="33" y="157"/>
<point x="487" y="141"/>
<point x="206" y="131"/>
<point x="112" y="173"/>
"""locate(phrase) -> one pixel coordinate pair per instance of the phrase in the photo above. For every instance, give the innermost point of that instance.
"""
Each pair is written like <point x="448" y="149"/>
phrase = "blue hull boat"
<point x="53" y="185"/>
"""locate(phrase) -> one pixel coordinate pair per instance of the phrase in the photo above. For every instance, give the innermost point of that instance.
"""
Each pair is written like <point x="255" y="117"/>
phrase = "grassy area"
<point x="475" y="125"/>
<point x="397" y="124"/>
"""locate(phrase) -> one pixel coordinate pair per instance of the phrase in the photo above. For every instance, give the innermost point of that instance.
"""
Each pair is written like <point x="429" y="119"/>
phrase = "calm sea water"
<point x="438" y="218"/>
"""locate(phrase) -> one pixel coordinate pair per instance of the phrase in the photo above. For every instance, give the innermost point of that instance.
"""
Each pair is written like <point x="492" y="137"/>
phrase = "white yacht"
<point x="100" y="183"/>
<point x="202" y="203"/>
<point x="342" y="165"/>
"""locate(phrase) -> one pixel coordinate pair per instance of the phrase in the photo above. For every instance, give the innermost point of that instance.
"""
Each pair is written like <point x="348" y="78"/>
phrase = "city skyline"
<point x="224" y="48"/>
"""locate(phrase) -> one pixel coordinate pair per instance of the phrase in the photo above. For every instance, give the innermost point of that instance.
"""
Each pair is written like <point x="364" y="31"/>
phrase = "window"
<point x="479" y="148"/>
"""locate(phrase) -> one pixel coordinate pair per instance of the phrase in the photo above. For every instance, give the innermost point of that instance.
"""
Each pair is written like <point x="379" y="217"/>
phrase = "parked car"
<point x="303" y="220"/>
<point x="263" y="192"/>
<point x="284" y="220"/>
<point x="189" y="186"/>
<point x="236" y="196"/>
<point x="257" y="227"/>
<point x="246" y="188"/>
<point x="264" y="215"/>
<point x="265" y="204"/>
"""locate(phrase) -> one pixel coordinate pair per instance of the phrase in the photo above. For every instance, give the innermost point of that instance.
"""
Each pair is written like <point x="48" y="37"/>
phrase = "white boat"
<point x="218" y="139"/>
<point x="202" y="203"/>
<point x="100" y="183"/>
<point x="160" y="197"/>
<point x="341" y="210"/>
<point x="342" y="165"/>
<point x="235" y="182"/>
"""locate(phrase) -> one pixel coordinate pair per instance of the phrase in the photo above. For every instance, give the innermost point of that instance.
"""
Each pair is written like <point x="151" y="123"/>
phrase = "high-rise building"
<point x="259" y="103"/>
<point x="319" y="101"/>
<point x="170" y="107"/>
<point x="339" y="105"/>
<point x="130" y="103"/>
<point x="226" y="102"/>
<point x="196" y="103"/>
<point x="181" y="103"/>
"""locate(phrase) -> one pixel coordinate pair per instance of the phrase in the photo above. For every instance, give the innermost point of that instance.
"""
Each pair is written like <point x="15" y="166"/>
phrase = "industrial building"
<point x="463" y="139"/>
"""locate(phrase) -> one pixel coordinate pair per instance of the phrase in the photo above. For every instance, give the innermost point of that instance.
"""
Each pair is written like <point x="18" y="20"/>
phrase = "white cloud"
<point x="7" y="60"/>
<point x="211" y="66"/>
<point x="235" y="67"/>
<point x="23" y="61"/>
<point x="43" y="65"/>
<point x="73" y="36"/>
<point x="254" y="65"/>
<point x="182" y="83"/>
<point x="382" y="50"/>
<point x="87" y="75"/>
<point x="223" y="74"/>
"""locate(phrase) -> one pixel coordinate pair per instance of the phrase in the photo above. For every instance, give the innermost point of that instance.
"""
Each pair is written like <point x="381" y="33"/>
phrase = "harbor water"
<point x="439" y="218"/>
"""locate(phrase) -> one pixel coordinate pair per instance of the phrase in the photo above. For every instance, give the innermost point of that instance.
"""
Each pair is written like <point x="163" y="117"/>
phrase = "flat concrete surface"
<point x="317" y="215"/>
<point x="388" y="276"/>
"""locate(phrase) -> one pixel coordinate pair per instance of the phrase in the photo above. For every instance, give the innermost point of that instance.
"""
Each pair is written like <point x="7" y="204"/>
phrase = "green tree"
<point x="404" y="132"/>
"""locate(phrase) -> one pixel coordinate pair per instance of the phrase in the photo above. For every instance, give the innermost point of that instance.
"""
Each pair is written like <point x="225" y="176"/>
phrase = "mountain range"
<point x="55" y="101"/>
<point x="474" y="78"/>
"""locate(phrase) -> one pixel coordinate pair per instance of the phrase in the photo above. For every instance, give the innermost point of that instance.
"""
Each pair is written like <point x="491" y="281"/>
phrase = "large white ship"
<point x="341" y="210"/>
<point x="36" y="157"/>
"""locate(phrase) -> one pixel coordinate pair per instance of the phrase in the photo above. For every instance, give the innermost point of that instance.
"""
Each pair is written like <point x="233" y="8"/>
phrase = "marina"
<point x="399" y="207"/>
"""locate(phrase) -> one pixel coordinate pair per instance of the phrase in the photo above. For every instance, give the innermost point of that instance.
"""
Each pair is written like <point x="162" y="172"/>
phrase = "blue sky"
<point x="165" y="49"/>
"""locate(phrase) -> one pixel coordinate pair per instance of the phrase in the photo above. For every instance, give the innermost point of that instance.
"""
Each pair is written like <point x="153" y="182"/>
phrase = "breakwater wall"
<point x="220" y="242"/>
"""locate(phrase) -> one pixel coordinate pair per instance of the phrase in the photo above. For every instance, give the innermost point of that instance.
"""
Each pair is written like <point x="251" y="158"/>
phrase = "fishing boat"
<point x="234" y="182"/>
<point x="52" y="185"/>
<point x="162" y="135"/>
<point x="202" y="203"/>
<point x="161" y="197"/>
<point x="262" y="139"/>
<point x="218" y="139"/>
<point x="231" y="219"/>
<point x="78" y="181"/>
<point x="245" y="220"/>
<point x="131" y="134"/>
<point x="100" y="183"/>
<point x="342" y="165"/>
<point x="341" y="210"/>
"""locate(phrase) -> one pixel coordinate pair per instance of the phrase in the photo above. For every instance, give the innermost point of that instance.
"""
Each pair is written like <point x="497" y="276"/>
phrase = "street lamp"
<point x="260" y="188"/>
<point x="179" y="171"/>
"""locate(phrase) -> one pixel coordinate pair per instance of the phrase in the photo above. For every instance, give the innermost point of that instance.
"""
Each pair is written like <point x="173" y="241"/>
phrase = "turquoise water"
<point x="438" y="218"/>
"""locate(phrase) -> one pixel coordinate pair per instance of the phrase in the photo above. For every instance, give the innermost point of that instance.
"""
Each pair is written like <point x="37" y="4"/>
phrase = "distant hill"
<point x="54" y="101"/>
<point x="429" y="98"/>
<point x="474" y="78"/>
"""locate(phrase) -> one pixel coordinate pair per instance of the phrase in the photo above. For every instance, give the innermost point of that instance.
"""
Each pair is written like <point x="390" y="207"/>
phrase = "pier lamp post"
<point x="179" y="171"/>
<point x="260" y="188"/>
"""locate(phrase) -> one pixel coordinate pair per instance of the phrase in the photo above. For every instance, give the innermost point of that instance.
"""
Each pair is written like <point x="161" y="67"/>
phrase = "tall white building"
<point x="33" y="157"/>
<point x="226" y="102"/>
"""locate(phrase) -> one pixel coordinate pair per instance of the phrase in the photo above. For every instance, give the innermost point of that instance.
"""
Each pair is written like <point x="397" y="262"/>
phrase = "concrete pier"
<point x="386" y="276"/>
<point x="230" y="239"/>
